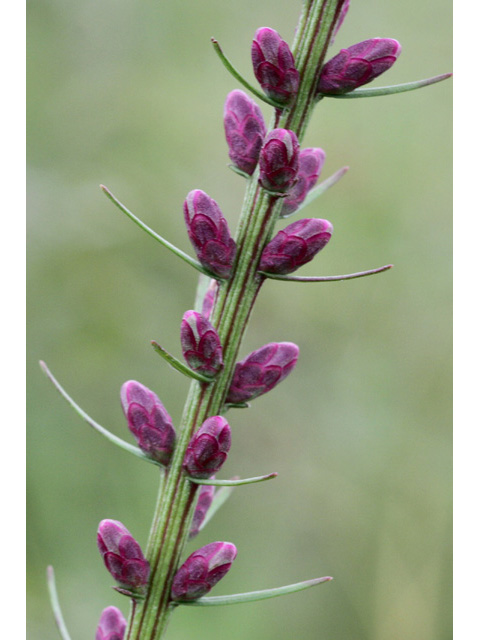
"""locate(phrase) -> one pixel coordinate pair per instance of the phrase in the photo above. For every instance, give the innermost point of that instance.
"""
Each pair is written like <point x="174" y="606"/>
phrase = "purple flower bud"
<point x="208" y="448"/>
<point x="358" y="65"/>
<point x="341" y="18"/>
<point x="200" y="344"/>
<point x="274" y="66"/>
<point x="205" y="498"/>
<point x="310" y="163"/>
<point x="112" y="625"/>
<point x="208" y="232"/>
<point x="122" y="554"/>
<point x="262" y="370"/>
<point x="279" y="161"/>
<point x="295" y="245"/>
<point x="244" y="130"/>
<point x="202" y="570"/>
<point x="149" y="421"/>
<point x="209" y="299"/>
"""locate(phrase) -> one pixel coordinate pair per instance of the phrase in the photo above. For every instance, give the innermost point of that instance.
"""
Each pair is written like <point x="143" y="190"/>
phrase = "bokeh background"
<point x="130" y="94"/>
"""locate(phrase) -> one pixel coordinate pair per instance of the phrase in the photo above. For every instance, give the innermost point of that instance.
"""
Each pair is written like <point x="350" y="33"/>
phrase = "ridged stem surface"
<point x="235" y="300"/>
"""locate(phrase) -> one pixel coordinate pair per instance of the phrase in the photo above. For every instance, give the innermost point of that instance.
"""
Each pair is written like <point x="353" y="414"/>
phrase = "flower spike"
<point x="244" y="130"/>
<point x="274" y="66"/>
<point x="296" y="245"/>
<point x="122" y="555"/>
<point x="358" y="65"/>
<point x="208" y="448"/>
<point x="149" y="421"/>
<point x="209" y="233"/>
<point x="111" y="625"/>
<point x="262" y="370"/>
<point x="200" y="344"/>
<point x="202" y="570"/>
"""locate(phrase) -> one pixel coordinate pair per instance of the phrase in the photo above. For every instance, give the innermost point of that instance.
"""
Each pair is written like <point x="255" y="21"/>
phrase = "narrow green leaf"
<point x="236" y="74"/>
<point x="386" y="91"/>
<point x="319" y="190"/>
<point x="178" y="252"/>
<point x="239" y="172"/>
<point x="57" y="612"/>
<point x="253" y="596"/>
<point x="348" y="276"/>
<point x="219" y="499"/>
<point x="237" y="405"/>
<point x="104" y="432"/>
<point x="233" y="483"/>
<point x="179" y="366"/>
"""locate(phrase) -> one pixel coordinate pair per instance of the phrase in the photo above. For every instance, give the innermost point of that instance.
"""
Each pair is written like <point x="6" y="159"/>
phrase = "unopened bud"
<point x="310" y="163"/>
<point x="111" y="625"/>
<point x="244" y="130"/>
<point x="209" y="298"/>
<point x="274" y="66"/>
<point x="358" y="65"/>
<point x="279" y="161"/>
<point x="209" y="233"/>
<point x="341" y="18"/>
<point x="200" y="344"/>
<point x="295" y="245"/>
<point x="205" y="498"/>
<point x="208" y="448"/>
<point x="122" y="554"/>
<point x="149" y="421"/>
<point x="202" y="570"/>
<point x="261" y="371"/>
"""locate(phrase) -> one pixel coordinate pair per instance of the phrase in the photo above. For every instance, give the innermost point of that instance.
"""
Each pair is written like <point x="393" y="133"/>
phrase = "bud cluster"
<point x="273" y="161"/>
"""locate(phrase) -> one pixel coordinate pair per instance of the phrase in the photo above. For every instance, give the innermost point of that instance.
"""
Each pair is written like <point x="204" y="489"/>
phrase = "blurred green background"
<point x="130" y="94"/>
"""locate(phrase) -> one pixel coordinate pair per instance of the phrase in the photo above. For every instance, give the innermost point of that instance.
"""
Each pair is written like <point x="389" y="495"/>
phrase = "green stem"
<point x="230" y="316"/>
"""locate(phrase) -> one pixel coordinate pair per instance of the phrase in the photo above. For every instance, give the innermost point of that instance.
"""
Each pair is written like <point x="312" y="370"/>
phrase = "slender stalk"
<point x="52" y="589"/>
<point x="230" y="316"/>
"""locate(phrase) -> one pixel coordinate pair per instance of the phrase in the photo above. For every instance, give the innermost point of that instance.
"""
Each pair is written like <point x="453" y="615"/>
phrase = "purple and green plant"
<point x="280" y="181"/>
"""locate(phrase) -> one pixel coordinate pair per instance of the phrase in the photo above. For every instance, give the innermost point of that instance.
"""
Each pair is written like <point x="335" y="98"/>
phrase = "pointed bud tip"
<point x="358" y="65"/>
